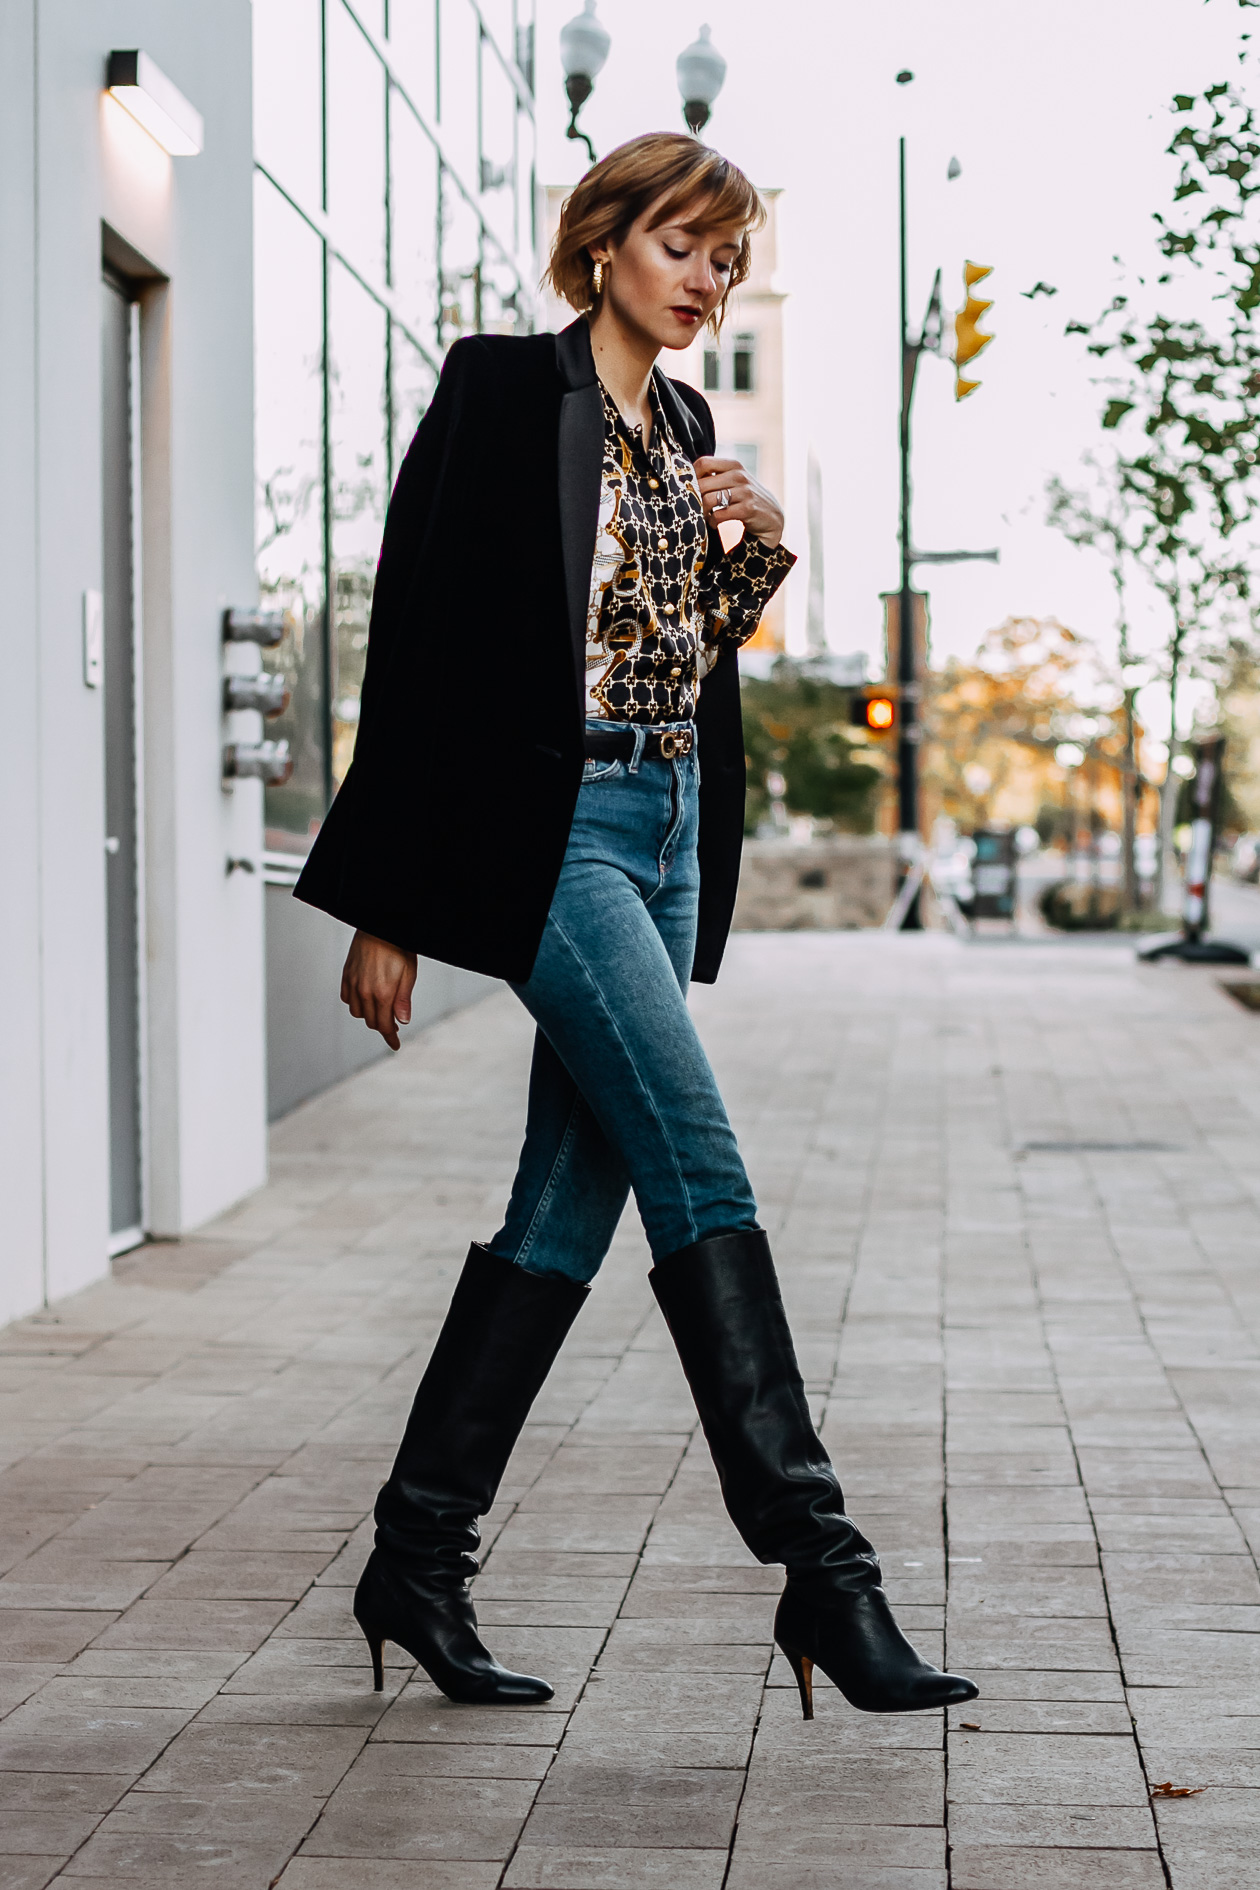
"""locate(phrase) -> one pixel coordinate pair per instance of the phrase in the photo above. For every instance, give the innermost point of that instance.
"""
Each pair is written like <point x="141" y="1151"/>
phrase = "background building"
<point x="391" y="209"/>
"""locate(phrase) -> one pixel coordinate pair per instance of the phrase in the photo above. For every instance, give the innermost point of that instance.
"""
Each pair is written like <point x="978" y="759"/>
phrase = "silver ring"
<point x="724" y="499"/>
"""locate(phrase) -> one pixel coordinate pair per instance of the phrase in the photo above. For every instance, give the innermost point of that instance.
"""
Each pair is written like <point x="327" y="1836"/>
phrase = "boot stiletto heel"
<point x="803" y="1667"/>
<point x="376" y="1647"/>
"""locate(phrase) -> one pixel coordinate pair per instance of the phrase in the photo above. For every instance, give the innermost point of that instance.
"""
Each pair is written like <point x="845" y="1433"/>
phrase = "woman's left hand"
<point x="729" y="493"/>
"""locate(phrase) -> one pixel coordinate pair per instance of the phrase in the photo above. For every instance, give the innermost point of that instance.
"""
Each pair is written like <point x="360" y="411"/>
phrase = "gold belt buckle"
<point x="672" y="744"/>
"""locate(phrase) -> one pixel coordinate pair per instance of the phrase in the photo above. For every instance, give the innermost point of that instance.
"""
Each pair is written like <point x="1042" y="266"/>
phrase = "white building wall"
<point x="70" y="159"/>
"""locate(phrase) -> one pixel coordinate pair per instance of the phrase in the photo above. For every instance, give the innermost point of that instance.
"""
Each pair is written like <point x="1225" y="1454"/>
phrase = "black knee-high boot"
<point x="721" y="1301"/>
<point x="499" y="1341"/>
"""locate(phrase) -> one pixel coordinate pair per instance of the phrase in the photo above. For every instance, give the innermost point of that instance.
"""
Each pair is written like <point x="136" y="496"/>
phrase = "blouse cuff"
<point x="743" y="584"/>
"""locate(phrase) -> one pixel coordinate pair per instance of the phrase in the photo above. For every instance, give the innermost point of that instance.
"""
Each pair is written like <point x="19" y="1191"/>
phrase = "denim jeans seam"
<point x="544" y="1198"/>
<point x="643" y="1088"/>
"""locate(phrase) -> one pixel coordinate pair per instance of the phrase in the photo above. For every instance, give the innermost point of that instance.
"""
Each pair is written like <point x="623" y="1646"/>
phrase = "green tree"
<point x="1179" y="490"/>
<point x="797" y="724"/>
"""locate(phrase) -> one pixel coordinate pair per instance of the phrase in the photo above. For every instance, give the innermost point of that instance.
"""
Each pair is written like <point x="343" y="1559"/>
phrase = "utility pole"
<point x="907" y="667"/>
<point x="910" y="682"/>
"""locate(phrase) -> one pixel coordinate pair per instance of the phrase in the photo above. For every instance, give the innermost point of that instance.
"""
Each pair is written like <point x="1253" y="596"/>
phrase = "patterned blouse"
<point x="662" y="607"/>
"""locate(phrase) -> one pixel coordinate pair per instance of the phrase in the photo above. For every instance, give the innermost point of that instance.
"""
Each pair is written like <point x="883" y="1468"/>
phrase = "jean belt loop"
<point x="640" y="736"/>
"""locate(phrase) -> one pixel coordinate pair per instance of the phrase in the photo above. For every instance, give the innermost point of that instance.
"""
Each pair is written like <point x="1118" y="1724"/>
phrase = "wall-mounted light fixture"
<point x="144" y="90"/>
<point x="259" y="761"/>
<point x="255" y="626"/>
<point x="265" y="692"/>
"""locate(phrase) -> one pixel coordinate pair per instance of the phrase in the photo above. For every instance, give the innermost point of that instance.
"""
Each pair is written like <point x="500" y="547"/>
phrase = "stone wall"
<point x="837" y="885"/>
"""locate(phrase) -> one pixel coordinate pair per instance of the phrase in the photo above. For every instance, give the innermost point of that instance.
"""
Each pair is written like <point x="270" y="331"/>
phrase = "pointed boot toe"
<point x="855" y="1640"/>
<point x="434" y="1621"/>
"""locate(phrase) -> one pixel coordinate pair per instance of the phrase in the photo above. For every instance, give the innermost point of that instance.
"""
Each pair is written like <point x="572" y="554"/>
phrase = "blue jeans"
<point x="621" y="1094"/>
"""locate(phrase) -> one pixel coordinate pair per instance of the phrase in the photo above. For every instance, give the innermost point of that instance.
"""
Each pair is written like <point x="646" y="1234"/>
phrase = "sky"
<point x="1059" y="116"/>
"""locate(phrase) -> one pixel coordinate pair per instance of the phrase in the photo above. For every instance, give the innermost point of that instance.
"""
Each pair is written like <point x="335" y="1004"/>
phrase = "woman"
<point x="551" y="661"/>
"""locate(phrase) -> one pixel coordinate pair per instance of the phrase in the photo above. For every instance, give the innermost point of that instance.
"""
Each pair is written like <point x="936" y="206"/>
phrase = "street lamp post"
<point x="701" y="70"/>
<point x="584" y="44"/>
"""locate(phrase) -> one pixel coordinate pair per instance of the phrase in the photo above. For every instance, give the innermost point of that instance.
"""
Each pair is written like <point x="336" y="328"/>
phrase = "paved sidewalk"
<point x="1013" y="1191"/>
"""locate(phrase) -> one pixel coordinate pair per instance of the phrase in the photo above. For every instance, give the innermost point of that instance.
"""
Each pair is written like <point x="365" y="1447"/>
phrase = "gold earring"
<point x="597" y="279"/>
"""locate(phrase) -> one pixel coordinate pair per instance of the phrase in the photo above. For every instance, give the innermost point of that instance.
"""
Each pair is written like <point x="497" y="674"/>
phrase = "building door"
<point x="122" y="849"/>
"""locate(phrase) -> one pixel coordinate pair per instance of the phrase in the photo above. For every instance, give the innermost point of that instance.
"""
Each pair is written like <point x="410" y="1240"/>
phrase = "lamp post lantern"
<point x="584" y="44"/>
<point x="701" y="71"/>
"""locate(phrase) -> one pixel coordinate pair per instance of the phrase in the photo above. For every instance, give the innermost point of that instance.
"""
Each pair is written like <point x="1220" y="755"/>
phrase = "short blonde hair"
<point x="666" y="169"/>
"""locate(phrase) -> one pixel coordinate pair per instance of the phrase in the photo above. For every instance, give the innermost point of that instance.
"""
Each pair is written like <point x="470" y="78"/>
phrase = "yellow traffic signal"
<point x="968" y="341"/>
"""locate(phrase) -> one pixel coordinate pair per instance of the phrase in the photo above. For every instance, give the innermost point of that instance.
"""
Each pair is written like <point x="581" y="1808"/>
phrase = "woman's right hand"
<point x="377" y="984"/>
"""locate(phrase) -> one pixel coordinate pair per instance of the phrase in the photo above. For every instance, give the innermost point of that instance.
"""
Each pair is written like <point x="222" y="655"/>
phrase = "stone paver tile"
<point x="213" y="1575"/>
<point x="321" y="1873"/>
<point x="156" y="1838"/>
<point x="638" y="1741"/>
<point x="407" y="1759"/>
<point x="421" y="1714"/>
<point x="78" y="1737"/>
<point x="537" y="1867"/>
<point x="29" y="1873"/>
<point x="631" y="1807"/>
<point x="473" y="1819"/>
<point x="199" y="1625"/>
<point x="235" y="1759"/>
<point x="20" y="1678"/>
<point x="1014" y="1683"/>
<point x="994" y="1867"/>
<point x="1060" y="1825"/>
<point x="48" y="1633"/>
<point x="851" y="1848"/>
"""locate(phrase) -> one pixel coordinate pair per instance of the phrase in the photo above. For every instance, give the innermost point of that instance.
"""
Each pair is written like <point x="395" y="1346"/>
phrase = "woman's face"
<point x="664" y="283"/>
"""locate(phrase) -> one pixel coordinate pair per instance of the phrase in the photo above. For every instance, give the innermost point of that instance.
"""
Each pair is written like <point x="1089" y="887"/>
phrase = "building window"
<point x="394" y="213"/>
<point x="743" y="360"/>
<point x="745" y="451"/>
<point x="731" y="367"/>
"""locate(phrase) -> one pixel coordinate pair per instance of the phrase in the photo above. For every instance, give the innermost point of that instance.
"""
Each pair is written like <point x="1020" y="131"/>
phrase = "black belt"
<point x="617" y="744"/>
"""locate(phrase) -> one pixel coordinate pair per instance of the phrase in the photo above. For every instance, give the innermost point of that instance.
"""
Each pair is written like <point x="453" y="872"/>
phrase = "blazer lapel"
<point x="686" y="427"/>
<point x="581" y="470"/>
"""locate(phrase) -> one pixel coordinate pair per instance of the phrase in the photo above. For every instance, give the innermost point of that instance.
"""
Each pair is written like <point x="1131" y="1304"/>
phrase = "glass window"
<point x="497" y="15"/>
<point x="460" y="37"/>
<point x="497" y="171"/>
<point x="745" y="451"/>
<point x="413" y="40"/>
<point x="413" y="381"/>
<point x="712" y="371"/>
<point x="288" y="113"/>
<point x="461" y="263"/>
<point x="743" y="358"/>
<point x="500" y="295"/>
<point x="289" y="425"/>
<point x="526" y="200"/>
<point x="414" y="210"/>
<point x="357" y="421"/>
<point x="356" y="145"/>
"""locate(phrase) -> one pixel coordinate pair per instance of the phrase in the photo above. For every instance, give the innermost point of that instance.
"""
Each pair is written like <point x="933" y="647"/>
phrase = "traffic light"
<point x="875" y="710"/>
<point x="968" y="341"/>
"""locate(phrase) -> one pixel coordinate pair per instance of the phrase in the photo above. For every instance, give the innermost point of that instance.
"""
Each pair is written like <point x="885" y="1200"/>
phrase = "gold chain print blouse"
<point x="661" y="608"/>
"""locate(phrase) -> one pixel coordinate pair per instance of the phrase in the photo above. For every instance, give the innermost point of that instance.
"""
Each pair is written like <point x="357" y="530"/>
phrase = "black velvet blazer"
<point x="449" y="831"/>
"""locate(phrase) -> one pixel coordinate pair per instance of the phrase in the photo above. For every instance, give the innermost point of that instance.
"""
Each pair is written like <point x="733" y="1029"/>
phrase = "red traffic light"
<point x="876" y="712"/>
